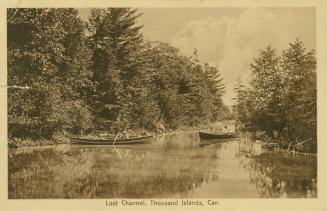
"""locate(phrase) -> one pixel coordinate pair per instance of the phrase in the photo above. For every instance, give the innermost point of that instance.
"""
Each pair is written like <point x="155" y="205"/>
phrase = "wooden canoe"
<point x="138" y="140"/>
<point x="209" y="136"/>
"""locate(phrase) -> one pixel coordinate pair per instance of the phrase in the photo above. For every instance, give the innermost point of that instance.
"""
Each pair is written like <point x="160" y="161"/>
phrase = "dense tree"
<point x="118" y="65"/>
<point x="300" y="96"/>
<point x="100" y="75"/>
<point x="47" y="54"/>
<point x="267" y="85"/>
<point x="187" y="93"/>
<point x="281" y="98"/>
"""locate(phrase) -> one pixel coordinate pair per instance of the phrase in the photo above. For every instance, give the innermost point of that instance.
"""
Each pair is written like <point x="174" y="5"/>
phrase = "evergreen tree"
<point x="119" y="65"/>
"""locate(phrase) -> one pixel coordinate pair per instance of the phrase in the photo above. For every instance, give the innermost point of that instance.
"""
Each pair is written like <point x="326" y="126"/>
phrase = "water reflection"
<point x="172" y="166"/>
<point x="278" y="174"/>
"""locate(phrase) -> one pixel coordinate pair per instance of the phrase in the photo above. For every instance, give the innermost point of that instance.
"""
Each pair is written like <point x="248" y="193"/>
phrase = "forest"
<point x="69" y="77"/>
<point x="280" y="100"/>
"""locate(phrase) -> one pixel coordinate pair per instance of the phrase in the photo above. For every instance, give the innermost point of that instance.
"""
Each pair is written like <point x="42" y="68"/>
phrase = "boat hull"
<point x="210" y="136"/>
<point x="131" y="141"/>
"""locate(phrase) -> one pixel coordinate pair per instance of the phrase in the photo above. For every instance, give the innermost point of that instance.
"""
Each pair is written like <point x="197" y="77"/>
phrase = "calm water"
<point x="172" y="166"/>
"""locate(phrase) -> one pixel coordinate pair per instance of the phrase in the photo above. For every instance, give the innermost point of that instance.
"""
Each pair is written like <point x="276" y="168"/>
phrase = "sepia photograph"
<point x="157" y="106"/>
<point x="177" y="103"/>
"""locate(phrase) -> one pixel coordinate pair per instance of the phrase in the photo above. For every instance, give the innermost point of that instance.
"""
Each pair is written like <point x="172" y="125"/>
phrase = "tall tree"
<point x="267" y="85"/>
<point x="300" y="97"/>
<point x="118" y="64"/>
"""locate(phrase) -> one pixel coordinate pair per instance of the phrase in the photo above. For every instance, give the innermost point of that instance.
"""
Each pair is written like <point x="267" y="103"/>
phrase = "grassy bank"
<point x="27" y="142"/>
<point x="280" y="144"/>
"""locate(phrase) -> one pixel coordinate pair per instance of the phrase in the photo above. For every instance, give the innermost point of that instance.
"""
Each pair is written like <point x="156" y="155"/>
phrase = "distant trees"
<point x="101" y="75"/>
<point x="186" y="92"/>
<point x="281" y="98"/>
<point x="244" y="108"/>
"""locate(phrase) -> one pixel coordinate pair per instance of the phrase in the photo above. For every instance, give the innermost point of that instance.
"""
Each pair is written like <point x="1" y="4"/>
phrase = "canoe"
<point x="208" y="136"/>
<point x="138" y="140"/>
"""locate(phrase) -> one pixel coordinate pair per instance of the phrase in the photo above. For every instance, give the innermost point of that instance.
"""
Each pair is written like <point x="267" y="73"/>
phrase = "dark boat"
<point x="208" y="136"/>
<point x="82" y="141"/>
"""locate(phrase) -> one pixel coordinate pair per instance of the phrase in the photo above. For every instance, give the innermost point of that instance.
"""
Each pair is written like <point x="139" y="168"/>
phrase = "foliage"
<point x="101" y="75"/>
<point x="281" y="99"/>
<point x="46" y="52"/>
<point x="187" y="93"/>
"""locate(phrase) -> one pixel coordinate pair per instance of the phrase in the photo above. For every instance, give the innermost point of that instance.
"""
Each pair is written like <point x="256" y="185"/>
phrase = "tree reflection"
<point x="50" y="173"/>
<point x="144" y="171"/>
<point x="278" y="174"/>
<point x="158" y="173"/>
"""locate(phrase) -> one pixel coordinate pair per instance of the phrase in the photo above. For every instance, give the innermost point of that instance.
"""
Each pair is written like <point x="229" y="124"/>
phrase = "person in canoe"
<point x="225" y="130"/>
<point x="122" y="135"/>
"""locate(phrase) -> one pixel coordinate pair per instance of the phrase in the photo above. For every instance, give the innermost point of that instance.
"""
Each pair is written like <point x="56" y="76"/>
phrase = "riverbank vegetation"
<point x="71" y="77"/>
<point x="281" y="98"/>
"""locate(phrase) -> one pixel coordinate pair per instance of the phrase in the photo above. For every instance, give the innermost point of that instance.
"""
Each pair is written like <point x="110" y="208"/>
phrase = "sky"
<point x="228" y="38"/>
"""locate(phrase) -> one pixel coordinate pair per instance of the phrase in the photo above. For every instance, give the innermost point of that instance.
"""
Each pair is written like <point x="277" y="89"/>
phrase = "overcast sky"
<point x="228" y="37"/>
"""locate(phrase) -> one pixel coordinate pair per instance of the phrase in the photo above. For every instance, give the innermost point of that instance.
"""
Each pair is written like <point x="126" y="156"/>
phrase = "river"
<point x="171" y="166"/>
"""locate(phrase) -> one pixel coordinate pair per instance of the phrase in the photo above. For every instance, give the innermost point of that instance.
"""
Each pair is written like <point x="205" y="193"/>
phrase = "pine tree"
<point x="119" y="65"/>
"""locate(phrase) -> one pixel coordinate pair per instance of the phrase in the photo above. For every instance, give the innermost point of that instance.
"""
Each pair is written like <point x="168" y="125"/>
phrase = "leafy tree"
<point x="267" y="82"/>
<point x="300" y="97"/>
<point x="282" y="96"/>
<point x="41" y="55"/>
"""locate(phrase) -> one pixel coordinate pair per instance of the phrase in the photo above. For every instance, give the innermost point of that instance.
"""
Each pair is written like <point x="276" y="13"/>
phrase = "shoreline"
<point x="269" y="146"/>
<point x="22" y="143"/>
<point x="39" y="143"/>
<point x="18" y="142"/>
